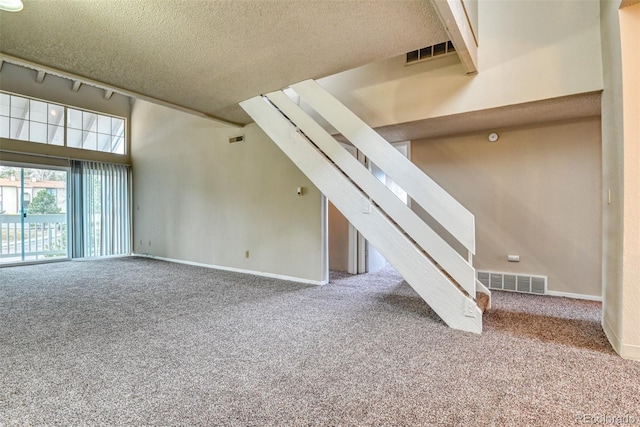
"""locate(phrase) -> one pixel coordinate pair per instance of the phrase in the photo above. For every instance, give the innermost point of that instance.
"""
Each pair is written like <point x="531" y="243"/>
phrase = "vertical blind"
<point x="101" y="217"/>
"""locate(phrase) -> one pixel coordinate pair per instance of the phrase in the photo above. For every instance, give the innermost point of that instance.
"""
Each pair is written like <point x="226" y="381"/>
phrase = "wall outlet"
<point x="513" y="258"/>
<point x="246" y="254"/>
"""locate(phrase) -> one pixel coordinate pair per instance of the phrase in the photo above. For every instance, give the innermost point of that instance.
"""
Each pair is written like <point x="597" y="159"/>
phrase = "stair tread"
<point x="482" y="300"/>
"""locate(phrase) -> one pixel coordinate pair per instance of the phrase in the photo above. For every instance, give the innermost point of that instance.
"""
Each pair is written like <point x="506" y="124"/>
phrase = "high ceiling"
<point x="208" y="55"/>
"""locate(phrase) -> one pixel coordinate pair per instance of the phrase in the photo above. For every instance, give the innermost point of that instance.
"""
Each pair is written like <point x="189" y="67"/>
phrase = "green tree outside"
<point x="43" y="203"/>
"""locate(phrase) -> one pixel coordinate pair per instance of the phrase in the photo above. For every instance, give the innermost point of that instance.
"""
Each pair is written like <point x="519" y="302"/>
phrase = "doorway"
<point x="349" y="251"/>
<point x="33" y="214"/>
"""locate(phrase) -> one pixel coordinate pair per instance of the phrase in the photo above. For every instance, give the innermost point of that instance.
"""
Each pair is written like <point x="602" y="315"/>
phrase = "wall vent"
<point x="513" y="282"/>
<point x="234" y="139"/>
<point x="430" y="52"/>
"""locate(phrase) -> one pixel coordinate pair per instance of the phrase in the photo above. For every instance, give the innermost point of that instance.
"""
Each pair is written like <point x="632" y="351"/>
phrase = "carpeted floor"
<point x="135" y="341"/>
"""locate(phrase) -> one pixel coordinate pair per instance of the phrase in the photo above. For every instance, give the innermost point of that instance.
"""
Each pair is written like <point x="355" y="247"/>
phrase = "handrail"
<point x="446" y="210"/>
<point x="436" y="247"/>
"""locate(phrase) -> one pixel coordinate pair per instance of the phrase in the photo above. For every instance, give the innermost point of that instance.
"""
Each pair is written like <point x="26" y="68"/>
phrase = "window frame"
<point x="26" y="121"/>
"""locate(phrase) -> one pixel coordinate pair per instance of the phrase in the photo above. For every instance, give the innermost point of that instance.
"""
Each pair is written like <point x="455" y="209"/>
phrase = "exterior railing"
<point x="42" y="236"/>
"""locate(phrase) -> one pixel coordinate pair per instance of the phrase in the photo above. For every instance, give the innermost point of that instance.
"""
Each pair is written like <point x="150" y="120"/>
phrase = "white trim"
<point x="611" y="335"/>
<point x="237" y="270"/>
<point x="574" y="296"/>
<point x="626" y="351"/>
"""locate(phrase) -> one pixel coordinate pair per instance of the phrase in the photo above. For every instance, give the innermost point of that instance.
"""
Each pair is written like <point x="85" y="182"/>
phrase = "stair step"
<point x="482" y="300"/>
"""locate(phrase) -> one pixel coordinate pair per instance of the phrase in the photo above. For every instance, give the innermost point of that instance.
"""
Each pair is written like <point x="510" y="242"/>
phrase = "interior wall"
<point x="620" y="164"/>
<point x="534" y="193"/>
<point x="197" y="198"/>
<point x="528" y="51"/>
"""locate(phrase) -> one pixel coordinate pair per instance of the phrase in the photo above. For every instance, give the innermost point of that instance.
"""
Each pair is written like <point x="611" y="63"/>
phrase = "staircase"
<point x="437" y="272"/>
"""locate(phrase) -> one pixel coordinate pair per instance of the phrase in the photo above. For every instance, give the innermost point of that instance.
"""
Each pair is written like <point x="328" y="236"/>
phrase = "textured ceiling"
<point x="208" y="55"/>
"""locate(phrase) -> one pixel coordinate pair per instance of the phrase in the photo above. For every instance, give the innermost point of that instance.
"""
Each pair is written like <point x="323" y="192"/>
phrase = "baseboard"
<point x="574" y="296"/>
<point x="238" y="270"/>
<point x="626" y="351"/>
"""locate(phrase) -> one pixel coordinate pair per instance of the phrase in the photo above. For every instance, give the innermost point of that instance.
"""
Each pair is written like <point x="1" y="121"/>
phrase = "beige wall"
<point x="620" y="164"/>
<point x="528" y="51"/>
<point x="534" y="193"/>
<point x="197" y="198"/>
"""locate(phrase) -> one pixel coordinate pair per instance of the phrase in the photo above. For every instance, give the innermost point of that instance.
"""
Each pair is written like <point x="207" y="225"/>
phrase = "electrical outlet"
<point x="246" y="254"/>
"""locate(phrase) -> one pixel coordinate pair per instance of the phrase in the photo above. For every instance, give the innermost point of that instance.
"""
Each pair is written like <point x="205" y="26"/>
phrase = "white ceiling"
<point x="208" y="55"/>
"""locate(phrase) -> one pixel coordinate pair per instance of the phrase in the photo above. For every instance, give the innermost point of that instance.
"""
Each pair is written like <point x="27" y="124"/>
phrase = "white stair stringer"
<point x="456" y="309"/>
<point x="445" y="209"/>
<point x="436" y="247"/>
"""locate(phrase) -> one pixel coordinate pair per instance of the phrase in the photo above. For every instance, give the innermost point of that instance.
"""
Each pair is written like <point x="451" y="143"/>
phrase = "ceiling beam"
<point x="76" y="85"/>
<point x="40" y="75"/>
<point x="108" y="94"/>
<point x="90" y="82"/>
<point x="456" y="21"/>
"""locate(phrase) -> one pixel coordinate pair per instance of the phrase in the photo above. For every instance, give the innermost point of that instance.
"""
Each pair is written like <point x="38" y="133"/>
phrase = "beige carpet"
<point x="134" y="341"/>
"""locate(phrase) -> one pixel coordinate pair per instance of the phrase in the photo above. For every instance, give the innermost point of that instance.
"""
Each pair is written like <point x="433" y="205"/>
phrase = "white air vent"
<point x="429" y="52"/>
<point x="234" y="139"/>
<point x="513" y="282"/>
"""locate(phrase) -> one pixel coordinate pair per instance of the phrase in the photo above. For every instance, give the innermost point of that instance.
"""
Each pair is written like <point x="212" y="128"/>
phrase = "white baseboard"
<point x="238" y="270"/>
<point x="626" y="351"/>
<point x="574" y="296"/>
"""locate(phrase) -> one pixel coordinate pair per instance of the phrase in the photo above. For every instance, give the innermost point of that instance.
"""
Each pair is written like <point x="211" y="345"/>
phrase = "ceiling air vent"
<point x="430" y="52"/>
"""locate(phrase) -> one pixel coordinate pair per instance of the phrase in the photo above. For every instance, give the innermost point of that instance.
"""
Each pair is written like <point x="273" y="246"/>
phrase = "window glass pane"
<point x="19" y="107"/>
<point x="19" y="129"/>
<point x="38" y="111"/>
<point x="90" y="140"/>
<point x="89" y="121"/>
<point x="56" y="114"/>
<point x="4" y="127"/>
<point x="104" y="142"/>
<point x="117" y="126"/>
<point x="118" y="144"/>
<point x="56" y="135"/>
<point x="37" y="132"/>
<point x="74" y="138"/>
<point x="74" y="118"/>
<point x="4" y="104"/>
<point x="43" y="122"/>
<point x="104" y="124"/>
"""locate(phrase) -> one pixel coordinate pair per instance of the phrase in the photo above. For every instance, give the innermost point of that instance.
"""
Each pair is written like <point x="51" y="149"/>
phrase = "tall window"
<point x="32" y="120"/>
<point x="101" y="209"/>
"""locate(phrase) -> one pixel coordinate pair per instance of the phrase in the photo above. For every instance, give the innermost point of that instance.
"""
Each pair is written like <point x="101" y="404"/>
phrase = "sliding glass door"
<point x="33" y="214"/>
